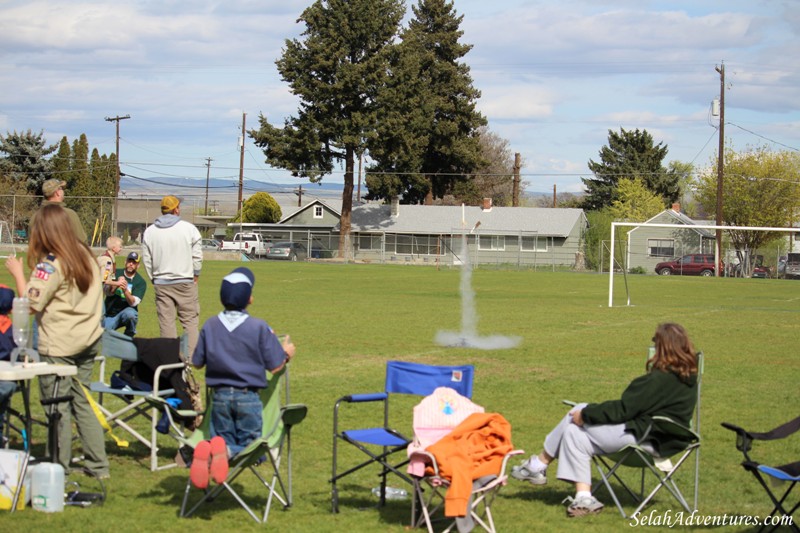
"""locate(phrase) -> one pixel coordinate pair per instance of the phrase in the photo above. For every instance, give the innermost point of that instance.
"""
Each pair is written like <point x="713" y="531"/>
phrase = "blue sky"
<point x="555" y="76"/>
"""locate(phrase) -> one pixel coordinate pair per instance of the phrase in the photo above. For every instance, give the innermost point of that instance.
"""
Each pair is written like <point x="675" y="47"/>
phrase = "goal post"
<point x="616" y="225"/>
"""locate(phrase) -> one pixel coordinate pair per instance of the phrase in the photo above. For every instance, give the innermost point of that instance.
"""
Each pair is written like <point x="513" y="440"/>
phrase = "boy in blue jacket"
<point x="237" y="350"/>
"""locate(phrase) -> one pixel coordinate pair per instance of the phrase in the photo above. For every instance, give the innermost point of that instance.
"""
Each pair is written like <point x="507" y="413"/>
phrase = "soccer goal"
<point x="7" y="247"/>
<point x="623" y="264"/>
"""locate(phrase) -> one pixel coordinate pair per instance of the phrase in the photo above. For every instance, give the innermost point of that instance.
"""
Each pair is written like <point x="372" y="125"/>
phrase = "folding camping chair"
<point x="115" y="345"/>
<point x="776" y="475"/>
<point x="436" y="416"/>
<point x="380" y="443"/>
<point x="278" y="421"/>
<point x="663" y="469"/>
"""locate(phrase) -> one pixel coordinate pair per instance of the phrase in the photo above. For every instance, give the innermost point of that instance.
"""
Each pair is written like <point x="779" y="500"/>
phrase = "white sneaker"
<point x="582" y="506"/>
<point x="523" y="473"/>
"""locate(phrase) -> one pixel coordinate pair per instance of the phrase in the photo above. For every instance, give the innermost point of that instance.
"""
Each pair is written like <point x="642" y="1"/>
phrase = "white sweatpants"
<point x="575" y="445"/>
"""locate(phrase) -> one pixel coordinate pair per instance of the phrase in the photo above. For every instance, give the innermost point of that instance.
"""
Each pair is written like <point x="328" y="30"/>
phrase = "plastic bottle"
<point x="392" y="493"/>
<point x="47" y="487"/>
<point x="21" y="321"/>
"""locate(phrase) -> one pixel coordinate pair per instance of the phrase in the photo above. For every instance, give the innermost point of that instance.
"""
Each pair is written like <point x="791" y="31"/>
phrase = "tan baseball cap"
<point x="49" y="187"/>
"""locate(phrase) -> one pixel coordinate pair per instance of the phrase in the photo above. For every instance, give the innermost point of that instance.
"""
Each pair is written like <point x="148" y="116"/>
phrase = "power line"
<point x="763" y="137"/>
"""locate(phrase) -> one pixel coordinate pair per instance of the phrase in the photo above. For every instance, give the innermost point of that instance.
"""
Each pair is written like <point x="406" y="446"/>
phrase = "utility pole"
<point x="360" y="163"/>
<point x="299" y="193"/>
<point x="208" y="174"/>
<point x="515" y="183"/>
<point x="720" y="166"/>
<point x="116" y="180"/>
<point x="241" y="173"/>
<point x="555" y="196"/>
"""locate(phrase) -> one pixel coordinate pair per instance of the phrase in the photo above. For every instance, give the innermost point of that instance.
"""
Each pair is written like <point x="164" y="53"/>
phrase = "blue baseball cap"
<point x="236" y="289"/>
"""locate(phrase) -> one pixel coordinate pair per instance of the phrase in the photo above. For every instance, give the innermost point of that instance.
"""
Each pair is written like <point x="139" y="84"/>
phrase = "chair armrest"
<point x="371" y="397"/>
<point x="102" y="360"/>
<point x="159" y="370"/>
<point x="674" y="428"/>
<point x="293" y="413"/>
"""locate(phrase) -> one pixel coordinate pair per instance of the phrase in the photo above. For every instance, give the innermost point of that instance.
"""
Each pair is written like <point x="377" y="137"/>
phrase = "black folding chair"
<point x="788" y="473"/>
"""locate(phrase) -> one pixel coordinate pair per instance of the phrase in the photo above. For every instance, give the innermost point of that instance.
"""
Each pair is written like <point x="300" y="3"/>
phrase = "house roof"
<point x="289" y="212"/>
<point x="436" y="219"/>
<point x="680" y="218"/>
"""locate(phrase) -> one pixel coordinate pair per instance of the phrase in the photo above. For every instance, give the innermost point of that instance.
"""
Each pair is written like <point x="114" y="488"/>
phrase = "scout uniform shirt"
<point x="107" y="269"/>
<point x="69" y="321"/>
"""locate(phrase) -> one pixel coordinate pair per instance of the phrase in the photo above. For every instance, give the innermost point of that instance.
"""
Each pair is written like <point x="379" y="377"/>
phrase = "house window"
<point x="414" y="244"/>
<point x="491" y="242"/>
<point x="369" y="241"/>
<point x="534" y="244"/>
<point x="661" y="247"/>
<point x="317" y="211"/>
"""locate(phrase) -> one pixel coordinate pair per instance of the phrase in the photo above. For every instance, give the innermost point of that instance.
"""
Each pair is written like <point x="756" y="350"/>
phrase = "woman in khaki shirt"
<point x="65" y="292"/>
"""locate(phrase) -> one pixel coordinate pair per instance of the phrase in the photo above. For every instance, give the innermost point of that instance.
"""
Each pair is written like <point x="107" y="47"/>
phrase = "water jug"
<point x="47" y="487"/>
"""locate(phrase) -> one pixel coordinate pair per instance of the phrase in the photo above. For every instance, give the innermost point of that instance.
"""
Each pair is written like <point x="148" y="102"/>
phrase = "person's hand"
<point x="14" y="266"/>
<point x="288" y="347"/>
<point x="123" y="284"/>
<point x="577" y="417"/>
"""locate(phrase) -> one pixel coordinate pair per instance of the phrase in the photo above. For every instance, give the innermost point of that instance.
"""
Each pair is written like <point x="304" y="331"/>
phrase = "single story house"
<point x="426" y="233"/>
<point x="648" y="246"/>
<point x="312" y="224"/>
<point x="136" y="214"/>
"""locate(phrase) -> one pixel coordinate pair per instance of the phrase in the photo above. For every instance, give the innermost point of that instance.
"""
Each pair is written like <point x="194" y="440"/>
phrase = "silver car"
<point x="290" y="251"/>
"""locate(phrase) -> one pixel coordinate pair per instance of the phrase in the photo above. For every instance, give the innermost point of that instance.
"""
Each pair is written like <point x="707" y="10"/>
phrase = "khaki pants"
<point x="89" y="429"/>
<point x="181" y="299"/>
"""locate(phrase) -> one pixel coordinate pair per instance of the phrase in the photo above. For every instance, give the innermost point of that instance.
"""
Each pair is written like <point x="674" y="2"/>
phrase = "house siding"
<point x="682" y="241"/>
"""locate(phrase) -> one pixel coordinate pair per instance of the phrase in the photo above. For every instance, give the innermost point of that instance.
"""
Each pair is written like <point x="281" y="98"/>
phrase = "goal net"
<point x="7" y="247"/>
<point x="656" y="242"/>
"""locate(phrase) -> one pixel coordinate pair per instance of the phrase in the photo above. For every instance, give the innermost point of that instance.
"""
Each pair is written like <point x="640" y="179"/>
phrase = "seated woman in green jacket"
<point x="668" y="388"/>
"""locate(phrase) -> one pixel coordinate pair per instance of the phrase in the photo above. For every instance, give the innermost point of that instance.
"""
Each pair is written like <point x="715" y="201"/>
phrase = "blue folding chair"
<point x="380" y="443"/>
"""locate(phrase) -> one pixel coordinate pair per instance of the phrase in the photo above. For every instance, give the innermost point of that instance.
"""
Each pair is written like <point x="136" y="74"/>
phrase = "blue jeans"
<point x="128" y="317"/>
<point x="236" y="417"/>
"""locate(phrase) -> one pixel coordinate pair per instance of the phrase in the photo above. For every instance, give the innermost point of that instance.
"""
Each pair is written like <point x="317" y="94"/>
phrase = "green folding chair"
<point x="661" y="471"/>
<point x="278" y="420"/>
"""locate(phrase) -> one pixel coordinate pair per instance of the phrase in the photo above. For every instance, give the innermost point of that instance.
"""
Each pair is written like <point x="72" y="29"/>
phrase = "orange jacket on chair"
<point x="475" y="448"/>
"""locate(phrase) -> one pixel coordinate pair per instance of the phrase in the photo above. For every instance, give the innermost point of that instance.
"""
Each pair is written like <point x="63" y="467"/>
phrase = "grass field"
<point x="348" y="320"/>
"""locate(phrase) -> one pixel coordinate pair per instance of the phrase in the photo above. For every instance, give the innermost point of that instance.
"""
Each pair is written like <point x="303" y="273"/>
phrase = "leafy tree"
<point x="598" y="234"/>
<point x="635" y="203"/>
<point x="627" y="155"/>
<point x="563" y="200"/>
<point x="25" y="161"/>
<point x="685" y="176"/>
<point x="336" y="71"/>
<point x="260" y="207"/>
<point x="495" y="179"/>
<point x="428" y="140"/>
<point x="760" y="188"/>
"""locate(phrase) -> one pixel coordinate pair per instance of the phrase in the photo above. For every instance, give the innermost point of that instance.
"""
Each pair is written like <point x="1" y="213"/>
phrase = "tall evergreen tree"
<point x="62" y="161"/>
<point x="25" y="162"/>
<point x="336" y="70"/>
<point x="629" y="154"/>
<point x="429" y="138"/>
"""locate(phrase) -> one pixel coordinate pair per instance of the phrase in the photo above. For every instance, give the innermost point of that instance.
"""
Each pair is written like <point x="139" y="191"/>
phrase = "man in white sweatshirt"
<point x="173" y="258"/>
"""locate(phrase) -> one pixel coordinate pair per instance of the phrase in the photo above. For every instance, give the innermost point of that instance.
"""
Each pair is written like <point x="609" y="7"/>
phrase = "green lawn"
<point x="348" y="320"/>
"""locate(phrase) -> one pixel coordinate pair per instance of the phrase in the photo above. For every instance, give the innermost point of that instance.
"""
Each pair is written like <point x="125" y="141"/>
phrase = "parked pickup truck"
<point x="249" y="243"/>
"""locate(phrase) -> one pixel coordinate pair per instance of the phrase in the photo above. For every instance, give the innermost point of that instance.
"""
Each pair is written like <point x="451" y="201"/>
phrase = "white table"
<point x="23" y="373"/>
